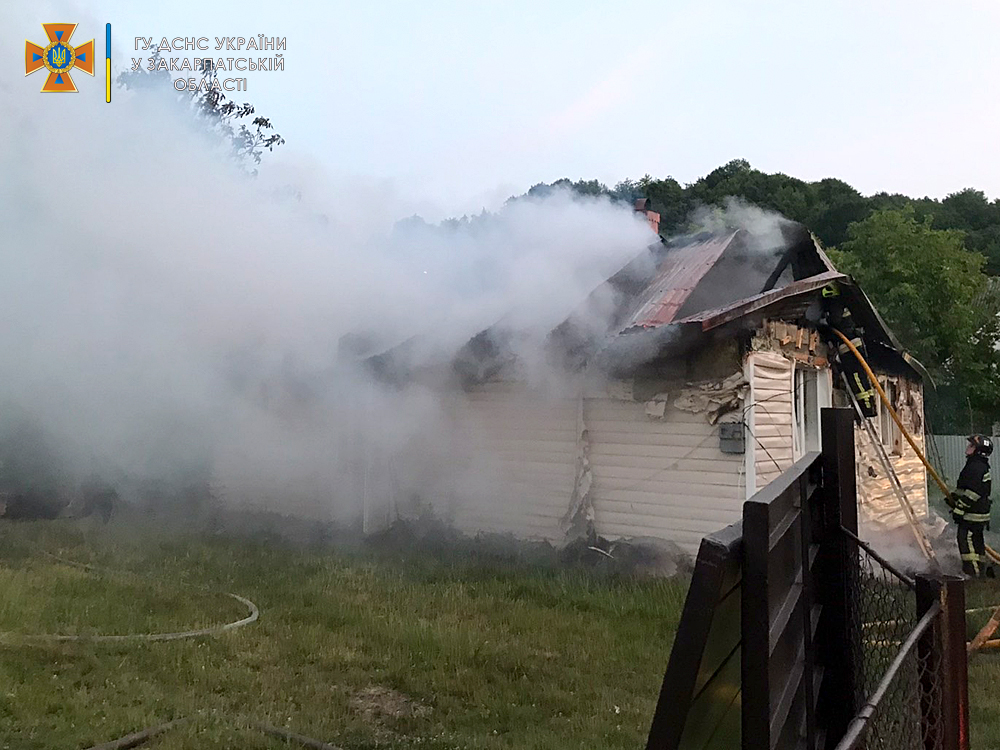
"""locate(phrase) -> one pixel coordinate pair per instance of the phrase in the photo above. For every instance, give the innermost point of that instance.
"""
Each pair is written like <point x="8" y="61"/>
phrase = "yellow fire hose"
<point x="993" y="554"/>
<point x="982" y="638"/>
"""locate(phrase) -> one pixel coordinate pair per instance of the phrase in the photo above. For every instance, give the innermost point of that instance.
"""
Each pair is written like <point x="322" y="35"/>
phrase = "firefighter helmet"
<point x="981" y="444"/>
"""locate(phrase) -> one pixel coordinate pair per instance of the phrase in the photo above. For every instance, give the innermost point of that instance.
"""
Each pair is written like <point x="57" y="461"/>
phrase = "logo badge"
<point x="59" y="57"/>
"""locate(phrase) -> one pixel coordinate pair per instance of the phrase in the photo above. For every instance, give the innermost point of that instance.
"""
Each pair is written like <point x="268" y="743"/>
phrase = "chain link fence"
<point x="896" y="675"/>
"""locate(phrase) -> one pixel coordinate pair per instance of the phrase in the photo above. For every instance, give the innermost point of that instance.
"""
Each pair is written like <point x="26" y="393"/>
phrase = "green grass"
<point x="984" y="668"/>
<point x="362" y="649"/>
<point x="359" y="649"/>
<point x="50" y="598"/>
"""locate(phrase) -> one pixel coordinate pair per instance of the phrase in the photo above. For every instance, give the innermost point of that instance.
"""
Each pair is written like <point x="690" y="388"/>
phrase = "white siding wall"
<point x="512" y="465"/>
<point x="771" y="423"/>
<point x="660" y="477"/>
<point x="515" y="456"/>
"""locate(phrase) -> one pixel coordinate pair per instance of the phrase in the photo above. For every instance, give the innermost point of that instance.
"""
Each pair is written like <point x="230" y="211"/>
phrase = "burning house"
<point x="684" y="384"/>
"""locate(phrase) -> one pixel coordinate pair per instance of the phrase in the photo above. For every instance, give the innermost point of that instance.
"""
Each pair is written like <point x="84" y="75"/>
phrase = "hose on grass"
<point x="138" y="738"/>
<point x="253" y="614"/>
<point x="284" y="734"/>
<point x="143" y="736"/>
<point x="983" y="636"/>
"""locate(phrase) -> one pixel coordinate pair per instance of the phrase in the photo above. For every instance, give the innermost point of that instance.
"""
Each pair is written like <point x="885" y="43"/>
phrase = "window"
<point x="806" y="411"/>
<point x="887" y="428"/>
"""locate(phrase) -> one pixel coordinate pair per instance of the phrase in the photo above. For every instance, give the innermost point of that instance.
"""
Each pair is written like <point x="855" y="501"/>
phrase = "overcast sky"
<point x="458" y="105"/>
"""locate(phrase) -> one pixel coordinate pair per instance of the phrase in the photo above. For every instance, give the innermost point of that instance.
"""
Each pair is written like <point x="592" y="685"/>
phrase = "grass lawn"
<point x="361" y="649"/>
<point x="984" y="669"/>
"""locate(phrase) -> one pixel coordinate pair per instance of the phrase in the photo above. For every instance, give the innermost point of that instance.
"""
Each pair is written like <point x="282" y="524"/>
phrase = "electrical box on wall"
<point x="732" y="437"/>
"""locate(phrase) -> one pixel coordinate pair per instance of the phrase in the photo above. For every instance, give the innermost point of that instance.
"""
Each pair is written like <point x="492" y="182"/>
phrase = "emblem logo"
<point x="59" y="57"/>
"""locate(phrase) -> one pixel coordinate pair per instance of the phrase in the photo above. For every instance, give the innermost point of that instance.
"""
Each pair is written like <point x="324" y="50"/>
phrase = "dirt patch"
<point x="381" y="702"/>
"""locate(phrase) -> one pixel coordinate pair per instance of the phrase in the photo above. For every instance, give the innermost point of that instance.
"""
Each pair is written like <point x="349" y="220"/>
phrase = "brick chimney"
<point x="653" y="218"/>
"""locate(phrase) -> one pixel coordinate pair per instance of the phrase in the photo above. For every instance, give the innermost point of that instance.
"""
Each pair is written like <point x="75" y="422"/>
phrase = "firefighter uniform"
<point x="970" y="505"/>
<point x="838" y="315"/>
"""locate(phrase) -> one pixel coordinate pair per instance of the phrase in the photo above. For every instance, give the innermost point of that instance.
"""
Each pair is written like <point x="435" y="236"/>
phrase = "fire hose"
<point x="252" y="616"/>
<point x="142" y="737"/>
<point x="982" y="638"/>
<point x="136" y="739"/>
<point x="992" y="553"/>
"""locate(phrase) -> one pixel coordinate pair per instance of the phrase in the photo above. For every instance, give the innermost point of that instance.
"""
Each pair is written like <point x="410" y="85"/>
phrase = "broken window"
<point x="889" y="432"/>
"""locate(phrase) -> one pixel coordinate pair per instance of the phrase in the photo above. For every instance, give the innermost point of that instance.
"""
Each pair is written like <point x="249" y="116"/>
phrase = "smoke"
<point x="898" y="546"/>
<point x="765" y="229"/>
<point x="165" y="317"/>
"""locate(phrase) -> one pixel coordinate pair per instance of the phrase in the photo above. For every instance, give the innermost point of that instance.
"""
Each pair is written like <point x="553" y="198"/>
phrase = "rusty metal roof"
<point x="678" y="274"/>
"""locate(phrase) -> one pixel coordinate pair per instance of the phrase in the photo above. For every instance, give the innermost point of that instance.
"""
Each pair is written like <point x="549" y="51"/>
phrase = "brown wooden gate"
<point x="798" y="636"/>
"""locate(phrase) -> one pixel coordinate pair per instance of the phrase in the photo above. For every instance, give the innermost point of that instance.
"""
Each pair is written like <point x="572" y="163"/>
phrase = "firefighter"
<point x="836" y="314"/>
<point x="970" y="506"/>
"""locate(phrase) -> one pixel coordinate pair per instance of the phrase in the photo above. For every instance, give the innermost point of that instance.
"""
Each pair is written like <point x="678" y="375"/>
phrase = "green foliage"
<point x="970" y="211"/>
<point x="580" y="187"/>
<point x="222" y="117"/>
<point x="932" y="291"/>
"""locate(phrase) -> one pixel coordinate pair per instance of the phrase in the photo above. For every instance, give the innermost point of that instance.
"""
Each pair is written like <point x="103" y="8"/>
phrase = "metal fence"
<point x="947" y="453"/>
<point x="796" y="635"/>
<point x="900" y="639"/>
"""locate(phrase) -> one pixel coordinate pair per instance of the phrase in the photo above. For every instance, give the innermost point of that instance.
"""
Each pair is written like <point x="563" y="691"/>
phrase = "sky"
<point x="454" y="106"/>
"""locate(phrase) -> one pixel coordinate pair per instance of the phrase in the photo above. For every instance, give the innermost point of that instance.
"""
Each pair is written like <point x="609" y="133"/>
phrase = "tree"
<point x="967" y="209"/>
<point x="669" y="199"/>
<point x="933" y="293"/>
<point x="778" y="192"/>
<point x="971" y="211"/>
<point x="837" y="205"/>
<point x="627" y="191"/>
<point x="220" y="116"/>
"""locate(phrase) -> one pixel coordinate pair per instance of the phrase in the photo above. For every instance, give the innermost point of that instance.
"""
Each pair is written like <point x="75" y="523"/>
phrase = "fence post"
<point x="839" y="479"/>
<point x="807" y="538"/>
<point x="944" y="681"/>
<point x="954" y="663"/>
<point x="837" y="572"/>
<point x="755" y="654"/>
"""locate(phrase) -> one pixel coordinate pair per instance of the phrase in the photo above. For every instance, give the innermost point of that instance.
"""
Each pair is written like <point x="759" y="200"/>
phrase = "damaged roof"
<point x="679" y="273"/>
<point x="713" y="271"/>
<point x="694" y="284"/>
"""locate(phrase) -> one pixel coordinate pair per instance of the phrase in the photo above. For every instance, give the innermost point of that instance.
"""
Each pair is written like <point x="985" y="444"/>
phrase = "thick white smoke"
<point x="763" y="227"/>
<point x="162" y="313"/>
